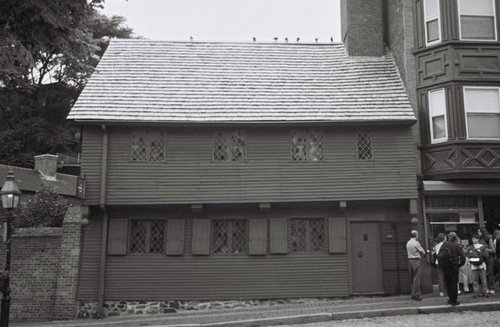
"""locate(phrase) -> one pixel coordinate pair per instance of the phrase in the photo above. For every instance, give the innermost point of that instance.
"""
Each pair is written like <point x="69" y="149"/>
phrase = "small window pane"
<point x="477" y="27"/>
<point x="364" y="146"/>
<point x="432" y="30"/>
<point x="307" y="146"/>
<point x="229" y="146"/>
<point x="298" y="240"/>
<point x="476" y="7"/>
<point x="431" y="9"/>
<point x="483" y="125"/>
<point x="139" y="234"/>
<point x="229" y="236"/>
<point x="438" y="127"/>
<point x="156" y="237"/>
<point x="482" y="100"/>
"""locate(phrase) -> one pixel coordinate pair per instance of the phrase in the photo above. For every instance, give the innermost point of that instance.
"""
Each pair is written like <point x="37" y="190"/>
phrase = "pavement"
<point x="297" y="312"/>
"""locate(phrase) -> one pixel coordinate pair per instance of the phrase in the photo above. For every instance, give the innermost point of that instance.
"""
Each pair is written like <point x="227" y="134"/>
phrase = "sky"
<point x="230" y="20"/>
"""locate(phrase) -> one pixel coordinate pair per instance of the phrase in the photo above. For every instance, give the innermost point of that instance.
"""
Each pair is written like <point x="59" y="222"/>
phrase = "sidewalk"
<point x="311" y="310"/>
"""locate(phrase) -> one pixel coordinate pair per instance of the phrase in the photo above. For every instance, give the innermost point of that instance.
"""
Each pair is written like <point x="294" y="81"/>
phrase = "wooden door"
<point x="367" y="274"/>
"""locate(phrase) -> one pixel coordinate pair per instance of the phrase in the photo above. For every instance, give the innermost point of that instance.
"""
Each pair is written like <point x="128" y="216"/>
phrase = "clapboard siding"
<point x="89" y="263"/>
<point x="194" y="277"/>
<point x="91" y="162"/>
<point x="190" y="176"/>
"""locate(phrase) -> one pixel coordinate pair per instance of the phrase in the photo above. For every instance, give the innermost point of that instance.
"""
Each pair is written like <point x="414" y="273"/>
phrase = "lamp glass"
<point x="10" y="201"/>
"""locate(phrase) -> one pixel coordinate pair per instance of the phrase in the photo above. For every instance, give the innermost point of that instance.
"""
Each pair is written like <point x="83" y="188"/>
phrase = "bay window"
<point x="482" y="111"/>
<point x="477" y="19"/>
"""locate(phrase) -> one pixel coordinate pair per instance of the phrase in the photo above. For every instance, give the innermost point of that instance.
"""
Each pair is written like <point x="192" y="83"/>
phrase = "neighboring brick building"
<point x="453" y="77"/>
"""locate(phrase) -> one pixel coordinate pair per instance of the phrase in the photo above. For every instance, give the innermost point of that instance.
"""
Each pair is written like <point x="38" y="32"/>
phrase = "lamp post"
<point x="10" y="200"/>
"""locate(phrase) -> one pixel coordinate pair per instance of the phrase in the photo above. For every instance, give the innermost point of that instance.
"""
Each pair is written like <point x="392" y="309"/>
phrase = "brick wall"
<point x="362" y="27"/>
<point x="44" y="270"/>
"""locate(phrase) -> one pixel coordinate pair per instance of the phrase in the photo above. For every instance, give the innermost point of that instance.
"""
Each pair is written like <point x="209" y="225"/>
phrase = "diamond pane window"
<point x="307" y="235"/>
<point x="148" y="147"/>
<point x="147" y="236"/>
<point x="364" y="146"/>
<point x="229" y="146"/>
<point x="307" y="146"/>
<point x="229" y="236"/>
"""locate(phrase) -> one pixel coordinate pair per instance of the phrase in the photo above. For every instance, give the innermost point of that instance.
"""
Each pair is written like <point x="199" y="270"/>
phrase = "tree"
<point x="45" y="209"/>
<point x="48" y="50"/>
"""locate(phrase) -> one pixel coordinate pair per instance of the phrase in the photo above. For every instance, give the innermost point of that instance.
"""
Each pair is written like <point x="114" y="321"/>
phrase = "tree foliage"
<point x="48" y="50"/>
<point x="45" y="209"/>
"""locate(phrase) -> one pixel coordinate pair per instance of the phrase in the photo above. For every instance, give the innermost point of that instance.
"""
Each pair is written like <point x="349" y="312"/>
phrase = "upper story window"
<point x="482" y="110"/>
<point x="477" y="19"/>
<point x="229" y="146"/>
<point x="307" y="146"/>
<point x="432" y="22"/>
<point x="437" y="115"/>
<point x="148" y="147"/>
<point x="365" y="151"/>
<point x="229" y="236"/>
<point x="307" y="235"/>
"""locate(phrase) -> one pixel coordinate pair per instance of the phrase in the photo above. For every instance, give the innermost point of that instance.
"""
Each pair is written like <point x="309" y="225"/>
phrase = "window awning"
<point x="440" y="187"/>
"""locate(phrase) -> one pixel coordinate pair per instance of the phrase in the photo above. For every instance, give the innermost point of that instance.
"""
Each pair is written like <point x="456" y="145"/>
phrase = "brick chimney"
<point x="362" y="27"/>
<point x="46" y="164"/>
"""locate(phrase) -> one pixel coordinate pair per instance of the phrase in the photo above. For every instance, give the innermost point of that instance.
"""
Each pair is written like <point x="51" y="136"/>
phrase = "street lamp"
<point x="10" y="200"/>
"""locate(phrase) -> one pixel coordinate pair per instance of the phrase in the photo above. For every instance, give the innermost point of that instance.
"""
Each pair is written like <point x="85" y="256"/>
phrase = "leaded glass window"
<point x="307" y="146"/>
<point x="307" y="235"/>
<point x="147" y="236"/>
<point x="229" y="146"/>
<point x="229" y="236"/>
<point x="148" y="147"/>
<point x="365" y="151"/>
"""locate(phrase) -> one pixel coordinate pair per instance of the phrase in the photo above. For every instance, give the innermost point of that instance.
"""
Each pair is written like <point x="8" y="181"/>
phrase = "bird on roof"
<point x="191" y="38"/>
<point x="254" y="39"/>
<point x="275" y="38"/>
<point x="298" y="39"/>
<point x="286" y="39"/>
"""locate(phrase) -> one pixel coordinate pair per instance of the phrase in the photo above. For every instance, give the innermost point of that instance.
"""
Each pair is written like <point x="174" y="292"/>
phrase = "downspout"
<point x="104" y="236"/>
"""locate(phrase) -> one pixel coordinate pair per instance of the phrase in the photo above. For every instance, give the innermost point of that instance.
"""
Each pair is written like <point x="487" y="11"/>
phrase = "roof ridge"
<point x="116" y="40"/>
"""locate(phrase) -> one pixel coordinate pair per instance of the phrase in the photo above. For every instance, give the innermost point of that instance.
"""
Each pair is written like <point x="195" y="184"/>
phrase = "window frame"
<point x="227" y="136"/>
<point x="438" y="18"/>
<point x="149" y="223"/>
<point x="147" y="135"/>
<point x="230" y="236"/>
<point x="308" y="221"/>
<point x="369" y="134"/>
<point x="459" y="9"/>
<point x="466" y="119"/>
<point x="431" y="116"/>
<point x="308" y="133"/>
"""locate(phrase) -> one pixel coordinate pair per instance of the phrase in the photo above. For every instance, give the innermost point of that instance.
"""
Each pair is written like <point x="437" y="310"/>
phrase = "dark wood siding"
<point x="91" y="162"/>
<point x="89" y="263"/>
<point x="268" y="175"/>
<point x="194" y="277"/>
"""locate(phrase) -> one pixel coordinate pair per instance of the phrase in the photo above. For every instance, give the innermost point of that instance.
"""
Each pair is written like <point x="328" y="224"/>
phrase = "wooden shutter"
<point x="117" y="236"/>
<point x="175" y="237"/>
<point x="279" y="235"/>
<point x="257" y="236"/>
<point x="201" y="237"/>
<point x="337" y="233"/>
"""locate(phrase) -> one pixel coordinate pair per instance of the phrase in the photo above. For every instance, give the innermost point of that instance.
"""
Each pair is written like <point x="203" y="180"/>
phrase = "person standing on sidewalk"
<point x="441" y="238"/>
<point x="478" y="257"/>
<point x="451" y="257"/>
<point x="415" y="253"/>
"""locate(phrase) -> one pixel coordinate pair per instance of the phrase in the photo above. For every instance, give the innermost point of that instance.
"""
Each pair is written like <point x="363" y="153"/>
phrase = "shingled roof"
<point x="162" y="81"/>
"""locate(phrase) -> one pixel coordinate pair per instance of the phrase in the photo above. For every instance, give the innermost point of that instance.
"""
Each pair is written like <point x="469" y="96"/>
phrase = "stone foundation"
<point x="88" y="309"/>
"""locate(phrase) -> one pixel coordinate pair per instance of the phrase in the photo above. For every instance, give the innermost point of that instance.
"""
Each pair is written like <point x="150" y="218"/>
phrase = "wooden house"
<point x="244" y="171"/>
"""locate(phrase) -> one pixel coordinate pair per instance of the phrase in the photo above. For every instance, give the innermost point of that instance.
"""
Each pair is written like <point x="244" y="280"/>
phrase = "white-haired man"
<point x="415" y="253"/>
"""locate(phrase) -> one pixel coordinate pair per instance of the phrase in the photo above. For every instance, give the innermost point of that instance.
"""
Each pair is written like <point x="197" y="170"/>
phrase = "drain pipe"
<point x="105" y="223"/>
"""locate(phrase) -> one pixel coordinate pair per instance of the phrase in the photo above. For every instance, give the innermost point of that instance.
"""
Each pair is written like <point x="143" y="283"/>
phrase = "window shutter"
<point x="201" y="237"/>
<point x="175" y="237"/>
<point x="117" y="236"/>
<point x="279" y="232"/>
<point x="258" y="236"/>
<point x="337" y="233"/>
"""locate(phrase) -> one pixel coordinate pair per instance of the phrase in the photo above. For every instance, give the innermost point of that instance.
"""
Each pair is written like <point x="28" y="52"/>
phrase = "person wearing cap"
<point x="451" y="257"/>
<point x="415" y="252"/>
